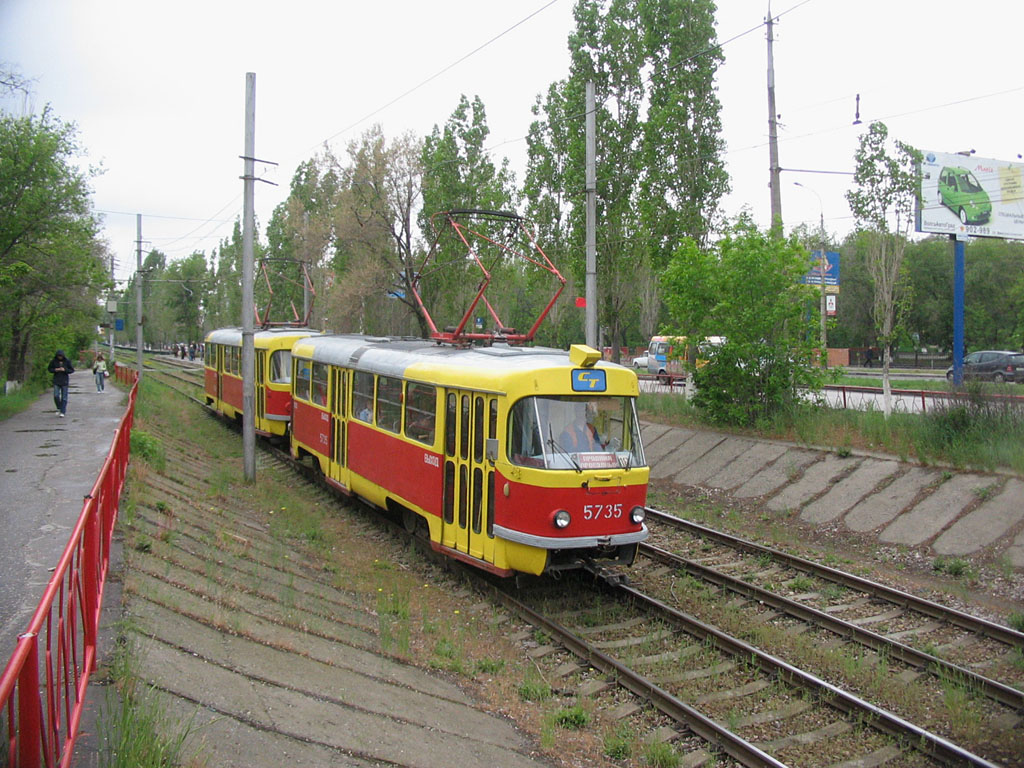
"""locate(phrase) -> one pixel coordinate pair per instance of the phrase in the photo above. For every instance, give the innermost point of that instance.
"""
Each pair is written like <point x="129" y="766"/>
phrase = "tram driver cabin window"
<point x="362" y="396"/>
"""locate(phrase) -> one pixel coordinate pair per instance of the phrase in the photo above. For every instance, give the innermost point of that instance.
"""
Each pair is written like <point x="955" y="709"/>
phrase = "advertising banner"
<point x="968" y="195"/>
<point x="813" y="275"/>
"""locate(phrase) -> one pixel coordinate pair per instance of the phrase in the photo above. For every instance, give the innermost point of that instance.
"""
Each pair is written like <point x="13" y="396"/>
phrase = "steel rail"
<point x="997" y="691"/>
<point x="910" y="735"/>
<point x="937" y="611"/>
<point x="735" y="746"/>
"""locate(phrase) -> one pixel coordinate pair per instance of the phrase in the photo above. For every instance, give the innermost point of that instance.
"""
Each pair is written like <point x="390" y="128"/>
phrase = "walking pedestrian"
<point x="99" y="370"/>
<point x="61" y="369"/>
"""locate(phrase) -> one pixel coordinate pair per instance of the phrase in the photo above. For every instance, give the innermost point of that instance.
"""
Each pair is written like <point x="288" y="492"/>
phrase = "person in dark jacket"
<point x="61" y="369"/>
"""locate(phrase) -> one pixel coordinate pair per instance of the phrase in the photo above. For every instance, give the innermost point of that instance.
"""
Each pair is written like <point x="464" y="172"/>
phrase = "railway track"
<point x="728" y="695"/>
<point x="745" y="702"/>
<point x="923" y="634"/>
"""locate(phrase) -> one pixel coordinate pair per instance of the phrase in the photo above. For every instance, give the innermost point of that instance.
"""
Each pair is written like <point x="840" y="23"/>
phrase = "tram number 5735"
<point x="602" y="511"/>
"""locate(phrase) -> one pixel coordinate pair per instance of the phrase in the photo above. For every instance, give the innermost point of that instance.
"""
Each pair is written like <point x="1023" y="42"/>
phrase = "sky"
<point x="157" y="91"/>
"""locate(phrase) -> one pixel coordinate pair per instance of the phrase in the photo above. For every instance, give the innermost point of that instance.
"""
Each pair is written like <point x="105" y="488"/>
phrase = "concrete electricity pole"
<point x="822" y="267"/>
<point x="138" y="293"/>
<point x="248" y="224"/>
<point x="591" y="220"/>
<point x="773" y="135"/>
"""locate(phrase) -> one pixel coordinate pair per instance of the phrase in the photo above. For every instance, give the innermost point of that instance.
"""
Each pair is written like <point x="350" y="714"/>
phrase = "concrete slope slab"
<point x="705" y="470"/>
<point x="771" y="477"/>
<point x="934" y="512"/>
<point x="848" y="491"/>
<point x="879" y="508"/>
<point x="816" y="478"/>
<point x="984" y="525"/>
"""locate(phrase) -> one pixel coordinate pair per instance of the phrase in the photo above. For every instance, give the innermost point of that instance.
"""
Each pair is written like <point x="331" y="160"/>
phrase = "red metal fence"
<point x="42" y="689"/>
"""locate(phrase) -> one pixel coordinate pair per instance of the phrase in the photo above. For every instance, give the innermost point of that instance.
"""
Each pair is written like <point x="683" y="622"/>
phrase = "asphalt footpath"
<point x="49" y="465"/>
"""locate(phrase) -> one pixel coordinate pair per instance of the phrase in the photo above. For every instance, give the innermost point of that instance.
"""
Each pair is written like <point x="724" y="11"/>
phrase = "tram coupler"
<point x="613" y="577"/>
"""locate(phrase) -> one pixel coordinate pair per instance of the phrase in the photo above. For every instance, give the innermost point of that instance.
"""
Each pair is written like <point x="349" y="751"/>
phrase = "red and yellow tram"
<point x="514" y="459"/>
<point x="273" y="370"/>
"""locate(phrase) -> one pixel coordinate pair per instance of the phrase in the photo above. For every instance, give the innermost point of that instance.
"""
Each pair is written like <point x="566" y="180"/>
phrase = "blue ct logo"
<point x="589" y="380"/>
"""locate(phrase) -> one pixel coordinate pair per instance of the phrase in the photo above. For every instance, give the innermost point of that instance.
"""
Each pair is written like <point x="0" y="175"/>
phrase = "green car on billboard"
<point x="960" y="191"/>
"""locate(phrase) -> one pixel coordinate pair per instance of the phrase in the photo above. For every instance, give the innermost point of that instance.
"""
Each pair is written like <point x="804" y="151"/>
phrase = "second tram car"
<point x="514" y="459"/>
<point x="273" y="370"/>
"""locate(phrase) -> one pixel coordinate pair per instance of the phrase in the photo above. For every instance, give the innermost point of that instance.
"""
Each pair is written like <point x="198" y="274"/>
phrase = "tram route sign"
<point x="968" y="196"/>
<point x="589" y="380"/>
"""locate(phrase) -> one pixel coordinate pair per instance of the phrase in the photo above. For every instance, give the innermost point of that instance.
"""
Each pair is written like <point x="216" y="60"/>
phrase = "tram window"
<point x="490" y="503"/>
<point x="464" y="429"/>
<point x="420" y="407"/>
<point x="478" y="429"/>
<point x="449" y="491"/>
<point x="303" y="373"/>
<point x="281" y="366"/>
<point x="492" y="426"/>
<point x="339" y="392"/>
<point x="362" y="396"/>
<point x="389" y="404"/>
<point x="449" y="426"/>
<point x="319" y="390"/>
<point x="463" y="495"/>
<point x="233" y="366"/>
<point x="478" y="481"/>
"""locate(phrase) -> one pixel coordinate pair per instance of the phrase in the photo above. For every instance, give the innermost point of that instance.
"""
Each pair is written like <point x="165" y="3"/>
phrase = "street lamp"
<point x="822" y="261"/>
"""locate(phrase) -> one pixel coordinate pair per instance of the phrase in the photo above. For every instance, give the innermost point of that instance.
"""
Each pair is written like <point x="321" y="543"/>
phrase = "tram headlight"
<point x="637" y="514"/>
<point x="562" y="519"/>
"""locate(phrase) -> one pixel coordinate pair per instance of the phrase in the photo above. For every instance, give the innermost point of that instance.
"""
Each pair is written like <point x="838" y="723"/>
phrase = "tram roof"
<point x="426" y="360"/>
<point x="233" y="336"/>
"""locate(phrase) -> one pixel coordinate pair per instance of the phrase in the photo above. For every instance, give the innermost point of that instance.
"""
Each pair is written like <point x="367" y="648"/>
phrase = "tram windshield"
<point x="575" y="433"/>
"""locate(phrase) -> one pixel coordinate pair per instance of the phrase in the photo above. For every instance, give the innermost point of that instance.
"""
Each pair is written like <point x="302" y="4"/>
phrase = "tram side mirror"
<point x="491" y="449"/>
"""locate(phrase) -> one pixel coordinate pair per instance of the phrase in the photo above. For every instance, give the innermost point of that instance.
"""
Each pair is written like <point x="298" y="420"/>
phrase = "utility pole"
<point x="822" y="269"/>
<point x="591" y="222"/>
<point x="138" y="294"/>
<point x="248" y="223"/>
<point x="773" y="135"/>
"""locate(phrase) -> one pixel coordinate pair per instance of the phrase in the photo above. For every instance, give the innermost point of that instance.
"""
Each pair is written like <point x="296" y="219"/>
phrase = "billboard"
<point x="813" y="275"/>
<point x="968" y="195"/>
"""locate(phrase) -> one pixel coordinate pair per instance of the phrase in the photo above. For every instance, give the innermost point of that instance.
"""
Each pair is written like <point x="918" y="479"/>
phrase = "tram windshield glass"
<point x="575" y="433"/>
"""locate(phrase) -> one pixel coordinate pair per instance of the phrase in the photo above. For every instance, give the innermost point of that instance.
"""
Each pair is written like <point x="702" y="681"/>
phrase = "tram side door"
<point x="261" y="390"/>
<point x="467" y="516"/>
<point x="339" y="421"/>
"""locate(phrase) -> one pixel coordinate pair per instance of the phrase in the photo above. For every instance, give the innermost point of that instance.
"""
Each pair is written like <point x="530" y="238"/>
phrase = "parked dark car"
<point x="994" y="365"/>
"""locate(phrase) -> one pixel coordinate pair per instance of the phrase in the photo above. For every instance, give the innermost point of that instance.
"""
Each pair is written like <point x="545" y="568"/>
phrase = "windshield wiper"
<point x="554" y="444"/>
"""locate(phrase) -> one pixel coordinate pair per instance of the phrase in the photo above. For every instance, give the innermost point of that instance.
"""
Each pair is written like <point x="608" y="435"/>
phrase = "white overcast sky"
<point x="158" y="90"/>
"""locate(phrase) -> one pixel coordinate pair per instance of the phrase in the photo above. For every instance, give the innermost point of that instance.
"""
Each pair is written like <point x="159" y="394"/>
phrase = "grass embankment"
<point x="423" y="614"/>
<point x="966" y="431"/>
<point x="18" y="401"/>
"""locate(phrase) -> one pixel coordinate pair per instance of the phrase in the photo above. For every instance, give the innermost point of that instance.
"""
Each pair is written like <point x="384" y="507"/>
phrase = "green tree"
<point x="745" y="287"/>
<point x="52" y="266"/>
<point x="186" y="295"/>
<point x="458" y="174"/>
<point x="377" y="244"/>
<point x="883" y="204"/>
<point x="660" y="173"/>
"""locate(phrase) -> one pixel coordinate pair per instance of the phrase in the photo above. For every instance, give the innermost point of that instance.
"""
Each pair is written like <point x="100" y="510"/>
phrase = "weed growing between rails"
<point x="290" y="544"/>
